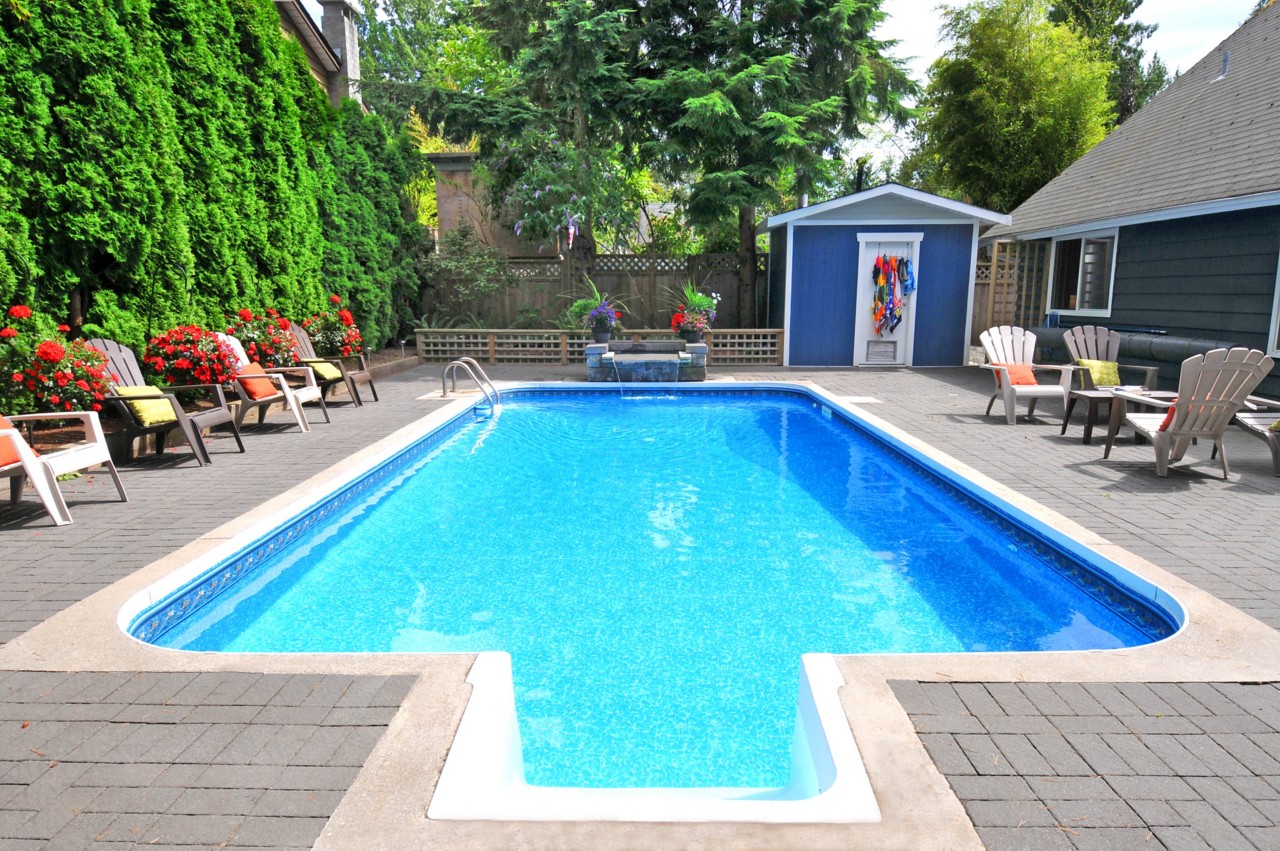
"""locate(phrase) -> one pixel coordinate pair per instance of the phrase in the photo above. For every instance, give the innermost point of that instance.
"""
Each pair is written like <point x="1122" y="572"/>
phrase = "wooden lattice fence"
<point x="643" y="283"/>
<point x="726" y="347"/>
<point x="1010" y="285"/>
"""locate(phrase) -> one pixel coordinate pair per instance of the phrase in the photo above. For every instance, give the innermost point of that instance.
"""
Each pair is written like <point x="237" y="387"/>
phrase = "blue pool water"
<point x="656" y="565"/>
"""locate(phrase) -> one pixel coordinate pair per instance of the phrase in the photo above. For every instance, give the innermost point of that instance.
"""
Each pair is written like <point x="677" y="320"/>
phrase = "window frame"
<point x="1111" y="233"/>
<point x="1273" y="334"/>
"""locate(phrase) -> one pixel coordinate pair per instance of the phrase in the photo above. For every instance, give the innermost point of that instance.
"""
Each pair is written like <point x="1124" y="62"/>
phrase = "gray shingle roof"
<point x="1206" y="137"/>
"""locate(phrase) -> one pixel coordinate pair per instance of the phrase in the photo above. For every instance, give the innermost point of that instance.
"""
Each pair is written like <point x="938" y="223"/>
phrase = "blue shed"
<point x="838" y="310"/>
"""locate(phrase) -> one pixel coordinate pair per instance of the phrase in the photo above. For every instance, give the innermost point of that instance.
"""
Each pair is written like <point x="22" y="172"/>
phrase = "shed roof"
<point x="1207" y="143"/>
<point x="890" y="201"/>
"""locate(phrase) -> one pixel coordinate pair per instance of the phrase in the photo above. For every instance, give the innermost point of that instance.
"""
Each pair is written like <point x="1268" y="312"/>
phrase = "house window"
<point x="1082" y="269"/>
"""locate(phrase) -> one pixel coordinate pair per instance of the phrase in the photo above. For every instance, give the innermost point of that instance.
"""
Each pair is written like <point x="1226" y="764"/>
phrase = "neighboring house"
<point x="333" y="48"/>
<point x="826" y="290"/>
<point x="1172" y="222"/>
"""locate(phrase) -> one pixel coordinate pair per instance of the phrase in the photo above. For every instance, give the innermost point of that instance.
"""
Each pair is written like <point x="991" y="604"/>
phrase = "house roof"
<point x="1207" y="143"/>
<point x="889" y="201"/>
<point x="312" y="39"/>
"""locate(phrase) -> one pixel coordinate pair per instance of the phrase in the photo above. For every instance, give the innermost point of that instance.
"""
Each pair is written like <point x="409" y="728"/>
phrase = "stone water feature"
<point x="664" y="360"/>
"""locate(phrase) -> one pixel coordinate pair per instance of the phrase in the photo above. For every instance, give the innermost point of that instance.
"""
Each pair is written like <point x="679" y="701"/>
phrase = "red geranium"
<point x="50" y="351"/>
<point x="334" y="334"/>
<point x="20" y="311"/>
<point x="189" y="354"/>
<point x="266" y="339"/>
<point x="8" y="333"/>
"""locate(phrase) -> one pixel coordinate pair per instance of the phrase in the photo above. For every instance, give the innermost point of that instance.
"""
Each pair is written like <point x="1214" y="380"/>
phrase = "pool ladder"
<point x="477" y="374"/>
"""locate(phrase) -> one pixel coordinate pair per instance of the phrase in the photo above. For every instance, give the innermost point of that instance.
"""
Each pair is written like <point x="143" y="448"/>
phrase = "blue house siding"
<point x="777" y="278"/>
<point x="824" y="286"/>
<point x="824" y="261"/>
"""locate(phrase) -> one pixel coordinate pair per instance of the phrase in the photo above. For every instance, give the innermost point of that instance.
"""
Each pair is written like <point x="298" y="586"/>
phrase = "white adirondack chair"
<point x="43" y="469"/>
<point x="1211" y="390"/>
<point x="1093" y="342"/>
<point x="1256" y="418"/>
<point x="292" y="397"/>
<point x="1006" y="344"/>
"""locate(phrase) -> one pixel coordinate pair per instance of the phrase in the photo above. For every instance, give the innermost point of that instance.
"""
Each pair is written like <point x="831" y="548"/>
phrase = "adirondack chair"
<point x="150" y="410"/>
<point x="1010" y="352"/>
<point x="338" y="369"/>
<point x="255" y="393"/>
<point x="18" y="461"/>
<point x="1093" y="342"/>
<point x="1256" y="418"/>
<point x="1211" y="389"/>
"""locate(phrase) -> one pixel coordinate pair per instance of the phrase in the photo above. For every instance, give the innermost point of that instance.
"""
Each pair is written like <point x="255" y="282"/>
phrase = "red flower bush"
<point x="334" y="334"/>
<point x="266" y="339"/>
<point x="189" y="354"/>
<point x="40" y="371"/>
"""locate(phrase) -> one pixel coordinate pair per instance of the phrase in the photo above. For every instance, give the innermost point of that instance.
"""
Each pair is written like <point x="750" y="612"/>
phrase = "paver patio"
<point x="252" y="758"/>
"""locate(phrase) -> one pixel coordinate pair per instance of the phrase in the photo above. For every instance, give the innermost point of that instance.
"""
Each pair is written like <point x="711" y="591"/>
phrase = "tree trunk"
<point x="747" y="267"/>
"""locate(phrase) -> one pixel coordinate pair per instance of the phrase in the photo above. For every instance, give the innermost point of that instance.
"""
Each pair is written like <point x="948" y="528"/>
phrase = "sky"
<point x="1188" y="29"/>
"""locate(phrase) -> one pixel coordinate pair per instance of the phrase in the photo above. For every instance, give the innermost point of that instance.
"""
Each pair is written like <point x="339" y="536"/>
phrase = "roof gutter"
<point x="310" y="33"/>
<point x="1184" y="211"/>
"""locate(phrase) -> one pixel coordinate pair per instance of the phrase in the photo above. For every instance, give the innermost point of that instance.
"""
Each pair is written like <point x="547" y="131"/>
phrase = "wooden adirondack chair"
<point x="351" y="376"/>
<point x="292" y="397"/>
<point x="149" y="410"/>
<point x="1093" y="342"/>
<point x="1211" y="389"/>
<point x="1256" y="419"/>
<point x="1009" y="346"/>
<point x="18" y="461"/>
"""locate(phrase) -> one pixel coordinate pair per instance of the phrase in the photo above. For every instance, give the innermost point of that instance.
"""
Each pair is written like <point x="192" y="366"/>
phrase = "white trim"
<point x="1184" y="211"/>
<point x="968" y="304"/>
<point x="879" y="222"/>
<point x="1112" y="234"/>
<point x="885" y="236"/>
<point x="1273" y="344"/>
<point x="786" y="288"/>
<point x="906" y="192"/>
<point x="861" y="334"/>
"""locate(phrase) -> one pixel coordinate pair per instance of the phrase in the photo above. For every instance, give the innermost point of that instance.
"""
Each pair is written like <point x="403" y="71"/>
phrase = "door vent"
<point x="882" y="352"/>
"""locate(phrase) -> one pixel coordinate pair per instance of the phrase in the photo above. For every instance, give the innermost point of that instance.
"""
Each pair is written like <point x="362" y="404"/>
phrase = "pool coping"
<point x="1218" y="643"/>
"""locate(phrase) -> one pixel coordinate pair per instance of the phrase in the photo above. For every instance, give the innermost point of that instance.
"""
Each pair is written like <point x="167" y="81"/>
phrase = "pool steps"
<point x="483" y="776"/>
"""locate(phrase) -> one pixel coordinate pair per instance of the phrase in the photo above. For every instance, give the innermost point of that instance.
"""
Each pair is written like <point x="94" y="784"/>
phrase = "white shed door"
<point x="884" y="315"/>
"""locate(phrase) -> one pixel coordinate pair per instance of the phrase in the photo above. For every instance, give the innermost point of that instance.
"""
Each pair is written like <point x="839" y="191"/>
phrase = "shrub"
<point x="266" y="339"/>
<point x="189" y="354"/>
<point x="42" y="372"/>
<point x="334" y="333"/>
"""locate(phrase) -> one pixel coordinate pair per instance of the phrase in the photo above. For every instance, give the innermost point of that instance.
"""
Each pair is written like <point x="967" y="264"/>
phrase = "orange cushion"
<point x="1019" y="373"/>
<point x="8" y="451"/>
<point x="258" y="388"/>
<point x="1168" y="418"/>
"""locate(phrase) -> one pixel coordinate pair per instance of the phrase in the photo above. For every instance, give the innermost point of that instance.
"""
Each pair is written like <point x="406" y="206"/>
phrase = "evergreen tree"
<point x="736" y="96"/>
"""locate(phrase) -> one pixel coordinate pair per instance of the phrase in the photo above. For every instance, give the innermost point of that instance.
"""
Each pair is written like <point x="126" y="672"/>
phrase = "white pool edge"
<point x="483" y="776"/>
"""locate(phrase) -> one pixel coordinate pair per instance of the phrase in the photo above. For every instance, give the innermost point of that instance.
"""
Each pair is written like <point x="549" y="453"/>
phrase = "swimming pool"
<point x="644" y="505"/>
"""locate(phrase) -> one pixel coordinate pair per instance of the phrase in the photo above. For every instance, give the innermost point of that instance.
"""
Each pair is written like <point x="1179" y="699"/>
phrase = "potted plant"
<point x="596" y="313"/>
<point x="334" y="333"/>
<point x="43" y="372"/>
<point x="694" y="314"/>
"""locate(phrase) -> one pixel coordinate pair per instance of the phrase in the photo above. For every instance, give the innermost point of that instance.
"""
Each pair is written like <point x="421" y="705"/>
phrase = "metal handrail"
<point x="481" y="380"/>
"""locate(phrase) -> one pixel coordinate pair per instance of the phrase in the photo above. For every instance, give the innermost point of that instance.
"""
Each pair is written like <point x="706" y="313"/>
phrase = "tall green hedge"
<point x="168" y="161"/>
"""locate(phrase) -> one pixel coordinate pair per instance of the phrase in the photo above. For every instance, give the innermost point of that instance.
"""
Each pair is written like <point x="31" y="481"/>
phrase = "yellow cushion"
<point x="1275" y="426"/>
<point x="1105" y="373"/>
<point x="324" y="370"/>
<point x="148" y="413"/>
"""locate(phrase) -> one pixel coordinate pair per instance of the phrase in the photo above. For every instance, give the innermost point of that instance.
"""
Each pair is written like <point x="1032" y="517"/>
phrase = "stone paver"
<point x="252" y="760"/>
